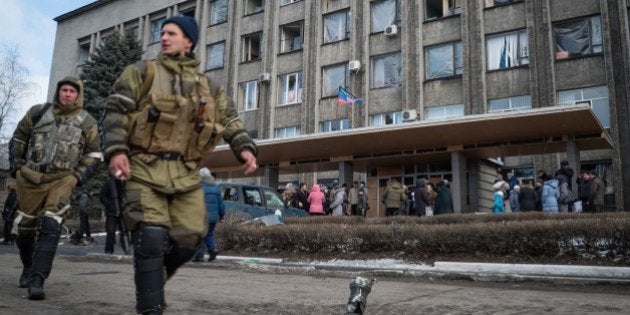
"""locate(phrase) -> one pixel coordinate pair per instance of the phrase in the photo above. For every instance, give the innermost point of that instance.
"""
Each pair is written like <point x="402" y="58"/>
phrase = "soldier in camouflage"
<point x="161" y="119"/>
<point x="54" y="148"/>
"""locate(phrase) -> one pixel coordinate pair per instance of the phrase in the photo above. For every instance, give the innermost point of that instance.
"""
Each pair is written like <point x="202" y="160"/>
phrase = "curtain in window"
<point x="383" y="14"/>
<point x="386" y="70"/>
<point x="251" y="99"/>
<point x="291" y="85"/>
<point x="503" y="51"/>
<point x="334" y="27"/>
<point x="574" y="37"/>
<point x="332" y="79"/>
<point x="440" y="62"/>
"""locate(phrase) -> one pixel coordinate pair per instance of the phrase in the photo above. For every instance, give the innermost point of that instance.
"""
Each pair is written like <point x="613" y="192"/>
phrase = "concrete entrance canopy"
<point x="524" y="132"/>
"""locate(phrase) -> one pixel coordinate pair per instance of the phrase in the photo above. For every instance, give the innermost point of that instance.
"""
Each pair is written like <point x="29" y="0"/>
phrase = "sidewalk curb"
<point x="483" y="272"/>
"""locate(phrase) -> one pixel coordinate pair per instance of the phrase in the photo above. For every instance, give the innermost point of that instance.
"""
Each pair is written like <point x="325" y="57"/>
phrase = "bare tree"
<point x="14" y="86"/>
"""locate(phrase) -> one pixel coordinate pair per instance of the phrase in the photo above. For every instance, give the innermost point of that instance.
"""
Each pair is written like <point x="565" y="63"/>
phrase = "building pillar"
<point x="573" y="157"/>
<point x="271" y="177"/>
<point x="346" y="173"/>
<point x="458" y="186"/>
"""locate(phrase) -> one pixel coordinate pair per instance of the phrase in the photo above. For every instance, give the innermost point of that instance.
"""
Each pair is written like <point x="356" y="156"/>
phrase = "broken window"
<point x="290" y="88"/>
<point x="251" y="47"/>
<point x="444" y="60"/>
<point x="214" y="55"/>
<point x="336" y="26"/>
<point x="440" y="8"/>
<point x="254" y="6"/>
<point x="248" y="96"/>
<point x="383" y="14"/>
<point x="386" y="70"/>
<point x="579" y="37"/>
<point x="332" y="78"/>
<point x="334" y="125"/>
<point x="507" y="50"/>
<point x="291" y="37"/>
<point x="218" y="11"/>
<point x="510" y="103"/>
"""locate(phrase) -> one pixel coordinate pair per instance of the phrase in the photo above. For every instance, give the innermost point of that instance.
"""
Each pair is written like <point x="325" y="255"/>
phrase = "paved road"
<point x="94" y="284"/>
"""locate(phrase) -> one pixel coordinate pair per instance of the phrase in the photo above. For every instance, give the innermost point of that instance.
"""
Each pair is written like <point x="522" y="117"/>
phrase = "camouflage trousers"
<point x="183" y="213"/>
<point x="38" y="199"/>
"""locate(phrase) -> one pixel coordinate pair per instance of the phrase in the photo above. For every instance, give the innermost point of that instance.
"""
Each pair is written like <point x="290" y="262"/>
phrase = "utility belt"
<point x="171" y="156"/>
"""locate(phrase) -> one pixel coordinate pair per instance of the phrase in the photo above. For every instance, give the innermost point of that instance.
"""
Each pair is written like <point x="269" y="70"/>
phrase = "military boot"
<point x="26" y="245"/>
<point x="36" y="288"/>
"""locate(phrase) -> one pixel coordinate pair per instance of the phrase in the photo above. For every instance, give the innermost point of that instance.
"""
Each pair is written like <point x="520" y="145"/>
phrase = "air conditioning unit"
<point x="354" y="65"/>
<point x="264" y="77"/>
<point x="409" y="115"/>
<point x="391" y="30"/>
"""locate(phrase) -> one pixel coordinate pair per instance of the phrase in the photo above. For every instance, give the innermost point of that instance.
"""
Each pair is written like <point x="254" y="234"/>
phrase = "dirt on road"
<point x="80" y="285"/>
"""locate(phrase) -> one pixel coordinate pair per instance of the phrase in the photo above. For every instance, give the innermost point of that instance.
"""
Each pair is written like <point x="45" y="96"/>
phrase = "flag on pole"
<point x="345" y="97"/>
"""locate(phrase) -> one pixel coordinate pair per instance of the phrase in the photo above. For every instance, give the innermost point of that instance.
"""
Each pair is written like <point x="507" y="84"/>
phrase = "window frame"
<point x="244" y="93"/>
<point x="455" y="73"/>
<point x="445" y="109"/>
<point x="491" y="3"/>
<point x="397" y="16"/>
<point x="396" y="119"/>
<point x="209" y="55"/>
<point x="283" y="95"/>
<point x="84" y="53"/>
<point x="287" y="2"/>
<point x="522" y="60"/>
<point x="456" y="10"/>
<point x="566" y="54"/>
<point x="247" y="7"/>
<point x="327" y="125"/>
<point x="299" y="24"/>
<point x="346" y="26"/>
<point x="246" y="47"/>
<point x="223" y="18"/>
<point x="296" y="132"/>
<point x="511" y="107"/>
<point x="156" y="32"/>
<point x="346" y="80"/>
<point x="373" y="71"/>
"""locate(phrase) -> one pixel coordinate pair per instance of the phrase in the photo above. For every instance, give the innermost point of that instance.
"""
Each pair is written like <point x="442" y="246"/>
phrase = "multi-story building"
<point x="450" y="88"/>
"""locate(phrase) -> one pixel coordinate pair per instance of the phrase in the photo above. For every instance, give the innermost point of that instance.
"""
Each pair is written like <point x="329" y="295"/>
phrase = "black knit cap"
<point x="188" y="25"/>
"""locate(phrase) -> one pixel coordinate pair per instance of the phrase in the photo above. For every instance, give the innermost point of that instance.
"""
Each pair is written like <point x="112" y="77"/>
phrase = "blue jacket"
<point x="214" y="202"/>
<point x="550" y="194"/>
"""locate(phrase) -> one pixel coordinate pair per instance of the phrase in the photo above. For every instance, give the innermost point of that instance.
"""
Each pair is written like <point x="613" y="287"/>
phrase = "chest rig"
<point x="168" y="122"/>
<point x="56" y="146"/>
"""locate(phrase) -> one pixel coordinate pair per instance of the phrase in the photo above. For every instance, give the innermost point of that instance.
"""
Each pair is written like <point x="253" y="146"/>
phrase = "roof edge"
<point x="81" y="10"/>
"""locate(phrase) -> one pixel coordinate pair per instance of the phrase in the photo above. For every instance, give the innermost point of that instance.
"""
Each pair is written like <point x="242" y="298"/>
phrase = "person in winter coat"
<point x="216" y="212"/>
<point x="422" y="197"/>
<point x="596" y="196"/>
<point x="315" y="201"/>
<point x="338" y="203"/>
<point x="498" y="206"/>
<point x="443" y="201"/>
<point x="362" y="205"/>
<point x="302" y="194"/>
<point x="393" y="197"/>
<point x="550" y="194"/>
<point x="514" y="202"/>
<point x="527" y="198"/>
<point x="564" y="193"/>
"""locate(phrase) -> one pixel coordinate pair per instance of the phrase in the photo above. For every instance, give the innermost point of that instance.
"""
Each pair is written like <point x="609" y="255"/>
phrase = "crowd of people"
<point x="426" y="198"/>
<point x="550" y="193"/>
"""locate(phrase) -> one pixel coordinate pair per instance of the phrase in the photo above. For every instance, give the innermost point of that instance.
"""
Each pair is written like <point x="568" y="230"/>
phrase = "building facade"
<point x="422" y="62"/>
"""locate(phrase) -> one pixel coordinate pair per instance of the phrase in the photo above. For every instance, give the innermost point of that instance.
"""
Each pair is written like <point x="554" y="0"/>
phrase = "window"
<point x="285" y="2"/>
<point x="332" y="78"/>
<point x="84" y="53"/>
<point x="386" y="119"/>
<point x="214" y="55"/>
<point x="135" y="31"/>
<point x="597" y="97"/>
<point x="578" y="38"/>
<point x="386" y="70"/>
<point x="254" y="6"/>
<point x="384" y="13"/>
<point x="188" y="13"/>
<point x="336" y="26"/>
<point x="290" y="89"/>
<point x="291" y="37"/>
<point x="287" y="132"/>
<point x="248" y="96"/>
<point x="444" y="60"/>
<point x="494" y="3"/>
<point x="507" y="50"/>
<point x="252" y="47"/>
<point x="510" y="103"/>
<point x="156" y="29"/>
<point x="334" y="125"/>
<point x="444" y="112"/>
<point x="218" y="11"/>
<point x="440" y="8"/>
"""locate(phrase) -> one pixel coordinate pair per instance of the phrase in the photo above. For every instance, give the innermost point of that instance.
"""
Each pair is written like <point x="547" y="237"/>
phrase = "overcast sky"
<point x="29" y="24"/>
